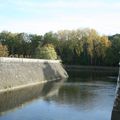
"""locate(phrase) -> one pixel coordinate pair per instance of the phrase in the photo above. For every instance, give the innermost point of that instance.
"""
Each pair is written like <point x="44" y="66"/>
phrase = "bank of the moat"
<point x="22" y="72"/>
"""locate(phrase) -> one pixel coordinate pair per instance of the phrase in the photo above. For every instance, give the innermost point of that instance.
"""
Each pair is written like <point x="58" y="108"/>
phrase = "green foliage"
<point x="81" y="46"/>
<point x="113" y="53"/>
<point x="46" y="52"/>
<point x="20" y="44"/>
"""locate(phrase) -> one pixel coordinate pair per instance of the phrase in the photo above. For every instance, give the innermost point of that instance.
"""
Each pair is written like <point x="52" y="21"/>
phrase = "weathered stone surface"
<point x="21" y="72"/>
<point x="116" y="107"/>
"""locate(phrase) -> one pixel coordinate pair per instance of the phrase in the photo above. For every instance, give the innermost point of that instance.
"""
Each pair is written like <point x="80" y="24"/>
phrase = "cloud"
<point x="102" y="25"/>
<point x="37" y="16"/>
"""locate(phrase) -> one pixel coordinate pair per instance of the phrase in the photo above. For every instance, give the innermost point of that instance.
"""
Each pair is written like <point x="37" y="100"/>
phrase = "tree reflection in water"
<point x="17" y="98"/>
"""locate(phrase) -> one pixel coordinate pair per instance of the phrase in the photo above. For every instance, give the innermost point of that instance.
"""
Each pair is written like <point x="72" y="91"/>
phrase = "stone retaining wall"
<point x="21" y="72"/>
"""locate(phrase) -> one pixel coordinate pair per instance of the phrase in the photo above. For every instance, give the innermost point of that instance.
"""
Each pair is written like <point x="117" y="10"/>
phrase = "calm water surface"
<point x="84" y="96"/>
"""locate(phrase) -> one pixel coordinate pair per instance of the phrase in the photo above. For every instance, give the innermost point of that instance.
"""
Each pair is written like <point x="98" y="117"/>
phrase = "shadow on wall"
<point x="50" y="73"/>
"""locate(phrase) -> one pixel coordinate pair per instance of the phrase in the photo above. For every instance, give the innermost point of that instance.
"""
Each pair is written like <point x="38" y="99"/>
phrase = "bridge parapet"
<point x="116" y="107"/>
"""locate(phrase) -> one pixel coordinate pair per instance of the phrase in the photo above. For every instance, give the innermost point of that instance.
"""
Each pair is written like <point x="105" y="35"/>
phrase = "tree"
<point x="36" y="40"/>
<point x="46" y="52"/>
<point x="50" y="38"/>
<point x="3" y="51"/>
<point x="113" y="53"/>
<point x="8" y="39"/>
<point x="81" y="46"/>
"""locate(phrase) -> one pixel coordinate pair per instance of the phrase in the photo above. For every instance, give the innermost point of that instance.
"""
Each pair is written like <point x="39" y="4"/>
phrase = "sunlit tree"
<point x="3" y="51"/>
<point x="46" y="52"/>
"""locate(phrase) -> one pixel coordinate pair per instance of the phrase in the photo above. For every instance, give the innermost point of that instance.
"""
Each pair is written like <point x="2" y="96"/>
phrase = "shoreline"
<point x="98" y="68"/>
<point x="27" y="85"/>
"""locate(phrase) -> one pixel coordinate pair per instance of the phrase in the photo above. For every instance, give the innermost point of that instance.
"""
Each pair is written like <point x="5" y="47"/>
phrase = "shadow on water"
<point x="17" y="98"/>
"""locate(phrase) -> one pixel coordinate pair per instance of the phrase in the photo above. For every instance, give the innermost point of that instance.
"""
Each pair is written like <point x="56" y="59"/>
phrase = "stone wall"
<point x="116" y="107"/>
<point x="21" y="72"/>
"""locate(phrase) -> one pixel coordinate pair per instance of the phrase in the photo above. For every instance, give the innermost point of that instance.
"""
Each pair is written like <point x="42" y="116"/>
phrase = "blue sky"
<point x="40" y="16"/>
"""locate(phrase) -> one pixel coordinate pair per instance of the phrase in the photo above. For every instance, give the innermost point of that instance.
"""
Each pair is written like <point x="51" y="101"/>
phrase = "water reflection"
<point x="87" y="76"/>
<point x="85" y="95"/>
<point x="13" y="99"/>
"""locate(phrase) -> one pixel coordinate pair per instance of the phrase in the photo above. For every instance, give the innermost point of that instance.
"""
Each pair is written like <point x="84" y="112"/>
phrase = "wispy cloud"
<point x="40" y="16"/>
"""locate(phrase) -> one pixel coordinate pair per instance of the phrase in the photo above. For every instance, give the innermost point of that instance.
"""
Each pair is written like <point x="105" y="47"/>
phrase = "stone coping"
<point x="25" y="60"/>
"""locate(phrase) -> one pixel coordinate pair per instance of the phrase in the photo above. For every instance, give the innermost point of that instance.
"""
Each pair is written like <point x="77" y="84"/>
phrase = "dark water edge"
<point x="91" y="68"/>
<point x="19" y="97"/>
<point x="86" y="95"/>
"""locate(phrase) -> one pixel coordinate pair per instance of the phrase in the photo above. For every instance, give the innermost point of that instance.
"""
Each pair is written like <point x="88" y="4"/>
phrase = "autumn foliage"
<point x="3" y="51"/>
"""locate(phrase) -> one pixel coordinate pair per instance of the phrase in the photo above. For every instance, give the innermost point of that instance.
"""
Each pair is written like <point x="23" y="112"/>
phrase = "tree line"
<point x="78" y="47"/>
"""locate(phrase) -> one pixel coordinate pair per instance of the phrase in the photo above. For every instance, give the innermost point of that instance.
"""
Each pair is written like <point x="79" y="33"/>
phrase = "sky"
<point x="41" y="16"/>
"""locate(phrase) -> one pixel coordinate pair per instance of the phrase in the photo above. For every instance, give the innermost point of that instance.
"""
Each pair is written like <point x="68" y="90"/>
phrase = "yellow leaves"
<point x="85" y="40"/>
<point x="78" y="48"/>
<point x="3" y="51"/>
<point x="104" y="40"/>
<point x="103" y="45"/>
<point x="46" y="52"/>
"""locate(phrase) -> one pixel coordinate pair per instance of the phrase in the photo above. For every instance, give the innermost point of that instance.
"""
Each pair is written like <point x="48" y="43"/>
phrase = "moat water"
<point x="86" y="95"/>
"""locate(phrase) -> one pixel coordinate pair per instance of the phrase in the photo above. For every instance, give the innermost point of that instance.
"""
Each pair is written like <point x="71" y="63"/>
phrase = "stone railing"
<point x="116" y="107"/>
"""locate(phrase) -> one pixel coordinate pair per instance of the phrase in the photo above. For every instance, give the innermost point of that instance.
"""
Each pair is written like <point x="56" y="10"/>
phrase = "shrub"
<point x="46" y="52"/>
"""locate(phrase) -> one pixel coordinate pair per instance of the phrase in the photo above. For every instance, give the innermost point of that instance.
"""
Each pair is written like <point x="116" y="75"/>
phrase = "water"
<point x="86" y="95"/>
